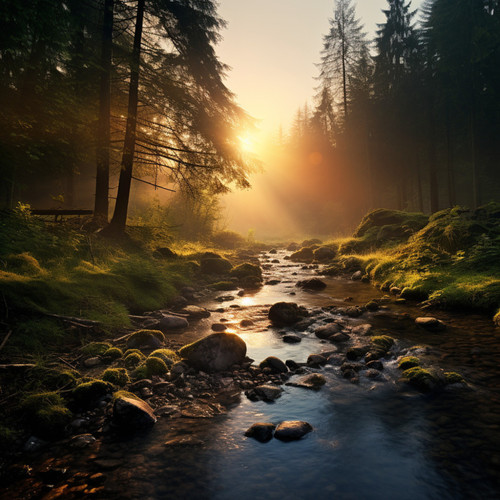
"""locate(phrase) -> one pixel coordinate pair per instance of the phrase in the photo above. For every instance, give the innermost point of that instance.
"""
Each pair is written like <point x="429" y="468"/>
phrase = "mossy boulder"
<point x="407" y="362"/>
<point x="88" y="393"/>
<point x="454" y="378"/>
<point x="156" y="366"/>
<point x="55" y="378"/>
<point x="168" y="356"/>
<point x="113" y="353"/>
<point x="325" y="253"/>
<point x="224" y="286"/>
<point x="246" y="269"/>
<point x="420" y="378"/>
<point x="133" y="359"/>
<point x="216" y="352"/>
<point x="146" y="338"/>
<point x="116" y="376"/>
<point x="46" y="413"/>
<point x="383" y="342"/>
<point x="305" y="254"/>
<point x="394" y="224"/>
<point x="212" y="265"/>
<point x="96" y="348"/>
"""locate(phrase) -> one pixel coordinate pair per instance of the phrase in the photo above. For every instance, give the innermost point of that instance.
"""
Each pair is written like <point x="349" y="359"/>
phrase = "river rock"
<point x="292" y="339"/>
<point x="292" y="365"/>
<point x="168" y="323"/>
<point x="131" y="413"/>
<point x="364" y="329"/>
<point x="291" y="430"/>
<point x="375" y="365"/>
<point x="91" y="362"/>
<point x="196" y="312"/>
<point x="312" y="381"/>
<point x="326" y="331"/>
<point x="267" y="392"/>
<point x="82" y="441"/>
<point x="355" y="353"/>
<point x="311" y="284"/>
<point x="285" y="313"/>
<point x="357" y="276"/>
<point x="216" y="352"/>
<point x="261" y="431"/>
<point x="316" y="360"/>
<point x="339" y="337"/>
<point x="274" y="364"/>
<point x="430" y="323"/>
<point x="219" y="327"/>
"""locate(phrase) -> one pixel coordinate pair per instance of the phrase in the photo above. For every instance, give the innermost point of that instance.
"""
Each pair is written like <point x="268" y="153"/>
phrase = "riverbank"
<point x="448" y="260"/>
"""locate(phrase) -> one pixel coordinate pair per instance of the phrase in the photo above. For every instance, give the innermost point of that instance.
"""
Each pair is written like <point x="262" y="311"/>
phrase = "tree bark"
<point x="118" y="222"/>
<point x="101" y="205"/>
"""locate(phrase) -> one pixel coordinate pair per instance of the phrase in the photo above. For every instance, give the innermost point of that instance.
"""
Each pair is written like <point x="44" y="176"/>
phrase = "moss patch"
<point x="156" y="366"/>
<point x="144" y="337"/>
<point x="408" y="362"/>
<point x="168" y="356"/>
<point x="88" y="393"/>
<point x="133" y="359"/>
<point x="116" y="376"/>
<point x="113" y="353"/>
<point x="246" y="269"/>
<point x="96" y="348"/>
<point x="420" y="378"/>
<point x="454" y="378"/>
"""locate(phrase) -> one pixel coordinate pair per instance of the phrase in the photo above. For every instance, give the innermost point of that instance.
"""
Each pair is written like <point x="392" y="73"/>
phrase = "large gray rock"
<point x="131" y="413"/>
<point x="312" y="381"/>
<point x="216" y="352"/>
<point x="292" y="429"/>
<point x="196" y="312"/>
<point x="286" y="313"/>
<point x="326" y="331"/>
<point x="311" y="284"/>
<point x="168" y="323"/>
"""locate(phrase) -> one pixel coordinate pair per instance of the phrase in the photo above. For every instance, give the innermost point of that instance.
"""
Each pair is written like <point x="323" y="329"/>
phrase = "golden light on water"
<point x="247" y="301"/>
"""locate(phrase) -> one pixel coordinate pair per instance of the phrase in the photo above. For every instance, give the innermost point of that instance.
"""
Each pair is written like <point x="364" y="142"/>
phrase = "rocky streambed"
<point x="307" y="387"/>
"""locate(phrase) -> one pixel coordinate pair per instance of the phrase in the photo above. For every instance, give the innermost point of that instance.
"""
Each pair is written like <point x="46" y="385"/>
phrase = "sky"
<point x="272" y="47"/>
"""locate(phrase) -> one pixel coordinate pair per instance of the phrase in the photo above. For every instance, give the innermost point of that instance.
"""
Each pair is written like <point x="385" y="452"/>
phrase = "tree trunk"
<point x="433" y="182"/>
<point x="118" y="222"/>
<point x="450" y="168"/>
<point x="103" y="130"/>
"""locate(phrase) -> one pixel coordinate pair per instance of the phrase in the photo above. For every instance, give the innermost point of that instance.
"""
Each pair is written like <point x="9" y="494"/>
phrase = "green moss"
<point x="113" y="353"/>
<point x="305" y="254"/>
<point x="212" y="265"/>
<point x="246" y="269"/>
<point x="496" y="318"/>
<point x="144" y="337"/>
<point x="88" y="393"/>
<point x="131" y="351"/>
<point x="133" y="359"/>
<point x="420" y="378"/>
<point x="116" y="376"/>
<point x="125" y="394"/>
<point x="141" y="372"/>
<point x="46" y="413"/>
<point x="224" y="286"/>
<point x="156" y="366"/>
<point x="408" y="362"/>
<point x="96" y="348"/>
<point x="168" y="356"/>
<point x="453" y="378"/>
<point x="383" y="341"/>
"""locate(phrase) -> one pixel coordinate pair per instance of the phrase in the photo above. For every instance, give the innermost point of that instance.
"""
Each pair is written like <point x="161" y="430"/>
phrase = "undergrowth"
<point x="451" y="259"/>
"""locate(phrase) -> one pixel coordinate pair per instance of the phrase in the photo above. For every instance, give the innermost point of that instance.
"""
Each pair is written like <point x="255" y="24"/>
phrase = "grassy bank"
<point x="61" y="269"/>
<point x="451" y="259"/>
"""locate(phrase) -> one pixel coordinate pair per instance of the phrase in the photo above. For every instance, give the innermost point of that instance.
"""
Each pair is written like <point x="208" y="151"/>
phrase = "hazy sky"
<point x="272" y="47"/>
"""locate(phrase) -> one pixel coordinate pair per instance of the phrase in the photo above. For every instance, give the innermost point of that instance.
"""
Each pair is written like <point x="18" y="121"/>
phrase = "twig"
<point x="67" y="363"/>
<point x="4" y="341"/>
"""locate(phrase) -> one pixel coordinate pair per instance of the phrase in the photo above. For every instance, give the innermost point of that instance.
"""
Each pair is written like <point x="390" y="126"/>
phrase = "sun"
<point x="246" y="143"/>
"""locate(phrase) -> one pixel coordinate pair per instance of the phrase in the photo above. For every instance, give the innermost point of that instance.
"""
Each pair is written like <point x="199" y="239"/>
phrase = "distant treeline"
<point x="88" y="88"/>
<point x="410" y="120"/>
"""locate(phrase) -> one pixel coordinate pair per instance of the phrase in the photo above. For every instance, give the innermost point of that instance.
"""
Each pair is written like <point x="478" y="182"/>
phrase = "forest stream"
<point x="373" y="437"/>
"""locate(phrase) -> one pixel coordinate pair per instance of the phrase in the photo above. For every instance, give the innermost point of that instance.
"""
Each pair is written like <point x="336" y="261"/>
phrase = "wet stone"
<point x="219" y="327"/>
<point x="82" y="441"/>
<point x="312" y="381"/>
<point x="261" y="431"/>
<point x="339" y="337"/>
<point x="375" y="365"/>
<point x="292" y="339"/>
<point x="264" y="393"/>
<point x="168" y="323"/>
<point x="274" y="364"/>
<point x="326" y="331"/>
<point x="316" y="360"/>
<point x="429" y="323"/>
<point x="292" y="429"/>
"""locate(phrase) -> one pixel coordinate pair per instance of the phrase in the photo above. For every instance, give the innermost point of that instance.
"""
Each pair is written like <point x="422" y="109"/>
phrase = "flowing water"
<point x="376" y="439"/>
